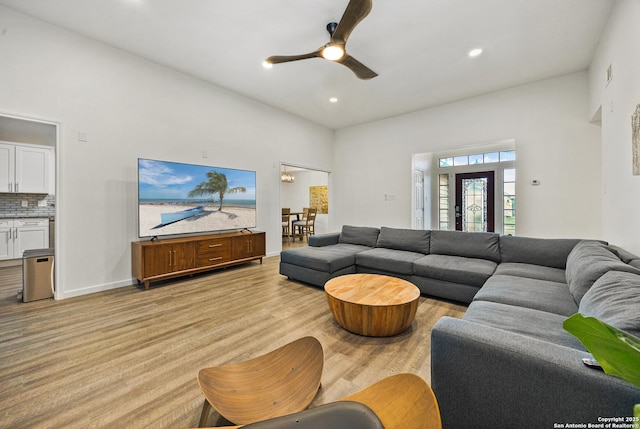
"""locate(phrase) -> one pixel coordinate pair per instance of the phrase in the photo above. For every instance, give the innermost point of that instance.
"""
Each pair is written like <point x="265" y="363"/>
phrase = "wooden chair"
<point x="281" y="382"/>
<point x="402" y="401"/>
<point x="305" y="227"/>
<point x="286" y="217"/>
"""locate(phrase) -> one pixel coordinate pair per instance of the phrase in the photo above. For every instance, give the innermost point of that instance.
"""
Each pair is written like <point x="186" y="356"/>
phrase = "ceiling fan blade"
<point x="276" y="59"/>
<point x="355" y="12"/>
<point x="362" y="71"/>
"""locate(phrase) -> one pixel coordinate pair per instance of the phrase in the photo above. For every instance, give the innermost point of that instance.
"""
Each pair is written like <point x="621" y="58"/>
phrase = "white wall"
<point x="620" y="47"/>
<point x="555" y="144"/>
<point x="131" y="108"/>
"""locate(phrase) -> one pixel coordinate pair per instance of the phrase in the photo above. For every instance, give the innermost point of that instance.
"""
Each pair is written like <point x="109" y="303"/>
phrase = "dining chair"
<point x="305" y="227"/>
<point x="286" y="217"/>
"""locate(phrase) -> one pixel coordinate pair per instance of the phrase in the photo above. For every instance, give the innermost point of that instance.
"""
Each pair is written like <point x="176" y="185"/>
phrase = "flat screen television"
<point x="176" y="198"/>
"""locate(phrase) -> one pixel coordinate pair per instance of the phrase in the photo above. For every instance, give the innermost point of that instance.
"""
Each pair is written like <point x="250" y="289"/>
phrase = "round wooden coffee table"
<point x="372" y="304"/>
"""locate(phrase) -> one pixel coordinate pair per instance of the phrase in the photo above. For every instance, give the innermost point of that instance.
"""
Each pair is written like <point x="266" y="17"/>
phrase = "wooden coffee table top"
<point x="371" y="304"/>
<point x="372" y="290"/>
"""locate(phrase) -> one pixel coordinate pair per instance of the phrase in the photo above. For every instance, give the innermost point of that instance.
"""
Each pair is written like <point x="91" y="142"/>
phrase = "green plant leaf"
<point x="616" y="351"/>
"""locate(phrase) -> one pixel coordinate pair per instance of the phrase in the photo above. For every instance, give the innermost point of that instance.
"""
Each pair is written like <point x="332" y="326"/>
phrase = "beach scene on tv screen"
<point x="176" y="198"/>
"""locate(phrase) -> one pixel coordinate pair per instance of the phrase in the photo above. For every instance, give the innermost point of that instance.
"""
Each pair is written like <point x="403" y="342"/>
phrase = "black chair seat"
<point x="336" y="415"/>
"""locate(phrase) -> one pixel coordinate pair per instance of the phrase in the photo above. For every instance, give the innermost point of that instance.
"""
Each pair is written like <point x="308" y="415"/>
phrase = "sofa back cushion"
<point x="481" y="245"/>
<point x="588" y="261"/>
<point x="548" y="252"/>
<point x="412" y="240"/>
<point x="362" y="235"/>
<point x="615" y="299"/>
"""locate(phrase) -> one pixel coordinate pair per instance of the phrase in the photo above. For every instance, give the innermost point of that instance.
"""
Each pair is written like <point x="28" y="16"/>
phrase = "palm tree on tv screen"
<point x="217" y="184"/>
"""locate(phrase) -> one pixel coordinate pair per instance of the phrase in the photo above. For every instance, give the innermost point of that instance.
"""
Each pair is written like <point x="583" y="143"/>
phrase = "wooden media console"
<point x="163" y="259"/>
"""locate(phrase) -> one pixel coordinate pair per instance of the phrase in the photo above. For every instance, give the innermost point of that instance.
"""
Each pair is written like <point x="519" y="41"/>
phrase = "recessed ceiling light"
<point x="267" y="65"/>
<point x="475" y="52"/>
<point x="333" y="100"/>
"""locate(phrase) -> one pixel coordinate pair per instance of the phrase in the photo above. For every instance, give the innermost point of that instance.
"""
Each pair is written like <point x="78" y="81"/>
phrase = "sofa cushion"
<point x="531" y="272"/>
<point x="615" y="299"/>
<point x="388" y="260"/>
<point x="327" y="258"/>
<point x="481" y="245"/>
<point x="412" y="240"/>
<point x="624" y="255"/>
<point x="455" y="269"/>
<point x="538" y="324"/>
<point x="587" y="262"/>
<point x="327" y="239"/>
<point x="548" y="252"/>
<point x="542" y="295"/>
<point x="360" y="235"/>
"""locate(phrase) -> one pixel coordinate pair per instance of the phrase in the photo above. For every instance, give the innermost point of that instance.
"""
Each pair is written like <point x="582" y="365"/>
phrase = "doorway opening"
<point x="467" y="189"/>
<point x="29" y="155"/>
<point x="300" y="188"/>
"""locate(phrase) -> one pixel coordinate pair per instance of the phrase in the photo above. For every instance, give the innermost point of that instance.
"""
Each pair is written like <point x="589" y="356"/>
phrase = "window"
<point x="446" y="162"/>
<point x="509" y="209"/>
<point x="460" y="160"/>
<point x="443" y="201"/>
<point x="478" y="158"/>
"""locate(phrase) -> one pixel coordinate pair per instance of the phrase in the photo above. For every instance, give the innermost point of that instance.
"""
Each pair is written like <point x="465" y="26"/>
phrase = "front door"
<point x="475" y="202"/>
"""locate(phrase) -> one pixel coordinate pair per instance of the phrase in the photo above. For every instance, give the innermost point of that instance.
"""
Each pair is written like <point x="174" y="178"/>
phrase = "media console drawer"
<point x="190" y="255"/>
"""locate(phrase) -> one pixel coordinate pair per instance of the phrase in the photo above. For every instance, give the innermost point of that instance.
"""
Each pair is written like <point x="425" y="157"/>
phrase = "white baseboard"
<point x="95" y="288"/>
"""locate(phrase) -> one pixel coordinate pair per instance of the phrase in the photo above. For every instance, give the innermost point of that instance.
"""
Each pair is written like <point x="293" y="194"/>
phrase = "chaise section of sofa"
<point x="328" y="255"/>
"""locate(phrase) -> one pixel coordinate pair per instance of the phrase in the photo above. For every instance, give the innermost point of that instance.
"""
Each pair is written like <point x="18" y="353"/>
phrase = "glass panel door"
<point x="475" y="202"/>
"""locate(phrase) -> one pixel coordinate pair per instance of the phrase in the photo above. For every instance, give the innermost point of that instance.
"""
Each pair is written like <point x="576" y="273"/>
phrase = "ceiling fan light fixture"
<point x="332" y="52"/>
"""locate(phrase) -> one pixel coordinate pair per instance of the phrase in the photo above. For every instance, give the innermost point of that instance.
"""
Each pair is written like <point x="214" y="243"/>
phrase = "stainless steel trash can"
<point x="37" y="274"/>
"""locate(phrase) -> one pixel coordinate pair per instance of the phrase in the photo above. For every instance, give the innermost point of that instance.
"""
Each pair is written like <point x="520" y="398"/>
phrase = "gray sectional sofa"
<point x="508" y="362"/>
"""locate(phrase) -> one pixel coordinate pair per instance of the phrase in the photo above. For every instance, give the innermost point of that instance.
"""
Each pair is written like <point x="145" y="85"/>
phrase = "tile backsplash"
<point x="11" y="205"/>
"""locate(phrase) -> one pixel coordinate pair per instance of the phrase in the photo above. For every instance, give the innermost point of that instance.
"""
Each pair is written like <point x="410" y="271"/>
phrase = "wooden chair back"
<point x="286" y="213"/>
<point x="402" y="401"/>
<point x="311" y="216"/>
<point x="281" y="382"/>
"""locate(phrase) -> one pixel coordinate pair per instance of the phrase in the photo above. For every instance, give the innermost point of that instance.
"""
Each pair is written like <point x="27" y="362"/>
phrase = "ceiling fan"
<point x="335" y="50"/>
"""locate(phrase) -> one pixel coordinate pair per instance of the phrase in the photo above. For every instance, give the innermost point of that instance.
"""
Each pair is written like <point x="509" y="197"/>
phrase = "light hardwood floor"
<point x="128" y="358"/>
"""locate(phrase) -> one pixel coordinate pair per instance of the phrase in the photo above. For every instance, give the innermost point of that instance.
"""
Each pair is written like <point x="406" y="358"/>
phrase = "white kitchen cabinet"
<point x="25" y="168"/>
<point x="7" y="166"/>
<point x="18" y="235"/>
<point x="6" y="239"/>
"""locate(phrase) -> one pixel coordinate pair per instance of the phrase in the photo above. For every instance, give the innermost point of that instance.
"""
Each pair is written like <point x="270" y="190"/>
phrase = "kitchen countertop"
<point x="27" y="217"/>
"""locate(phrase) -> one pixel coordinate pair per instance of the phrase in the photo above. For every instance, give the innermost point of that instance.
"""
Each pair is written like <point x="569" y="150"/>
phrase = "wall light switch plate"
<point x="42" y="203"/>
<point x="25" y="203"/>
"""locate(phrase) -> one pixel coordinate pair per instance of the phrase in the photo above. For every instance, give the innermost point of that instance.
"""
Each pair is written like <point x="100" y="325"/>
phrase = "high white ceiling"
<point x="418" y="47"/>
